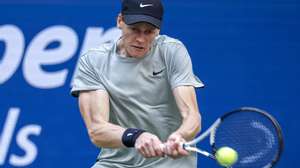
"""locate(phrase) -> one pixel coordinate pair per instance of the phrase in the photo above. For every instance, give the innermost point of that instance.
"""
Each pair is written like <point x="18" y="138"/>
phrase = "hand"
<point x="149" y="145"/>
<point x="173" y="146"/>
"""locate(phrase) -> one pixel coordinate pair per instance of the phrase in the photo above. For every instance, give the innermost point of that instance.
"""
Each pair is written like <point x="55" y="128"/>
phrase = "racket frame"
<point x="211" y="131"/>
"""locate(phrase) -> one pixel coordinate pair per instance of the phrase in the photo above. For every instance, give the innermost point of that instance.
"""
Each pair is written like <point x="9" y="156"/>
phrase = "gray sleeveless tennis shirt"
<point x="140" y="91"/>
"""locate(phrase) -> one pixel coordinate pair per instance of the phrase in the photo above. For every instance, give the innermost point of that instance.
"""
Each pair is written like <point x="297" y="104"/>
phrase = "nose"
<point x="141" y="38"/>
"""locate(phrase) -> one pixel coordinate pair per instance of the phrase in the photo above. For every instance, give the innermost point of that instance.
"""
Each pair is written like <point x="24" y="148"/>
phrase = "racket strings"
<point x="252" y="135"/>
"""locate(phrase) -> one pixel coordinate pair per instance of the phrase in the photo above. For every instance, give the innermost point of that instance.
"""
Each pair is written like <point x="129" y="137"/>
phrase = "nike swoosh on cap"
<point x="145" y="5"/>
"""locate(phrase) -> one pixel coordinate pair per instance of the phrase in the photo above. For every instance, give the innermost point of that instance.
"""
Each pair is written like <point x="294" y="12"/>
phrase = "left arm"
<point x="180" y="72"/>
<point x="185" y="97"/>
<point x="186" y="101"/>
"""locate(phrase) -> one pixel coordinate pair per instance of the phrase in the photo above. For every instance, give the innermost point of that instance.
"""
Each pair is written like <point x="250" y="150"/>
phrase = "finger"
<point x="144" y="154"/>
<point x="171" y="151"/>
<point x="179" y="148"/>
<point x="145" y="149"/>
<point x="175" y="153"/>
<point x="182" y="151"/>
<point x="173" y="145"/>
<point x="150" y="148"/>
<point x="141" y="151"/>
<point x="168" y="149"/>
<point x="157" y="149"/>
<point x="176" y="145"/>
<point x="163" y="148"/>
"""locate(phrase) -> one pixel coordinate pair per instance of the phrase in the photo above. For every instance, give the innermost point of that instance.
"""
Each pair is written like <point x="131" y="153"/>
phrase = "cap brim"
<point x="132" y="19"/>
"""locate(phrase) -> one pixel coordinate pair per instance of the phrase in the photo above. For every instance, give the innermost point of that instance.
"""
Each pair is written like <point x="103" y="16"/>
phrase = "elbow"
<point x="93" y="138"/>
<point x="96" y="137"/>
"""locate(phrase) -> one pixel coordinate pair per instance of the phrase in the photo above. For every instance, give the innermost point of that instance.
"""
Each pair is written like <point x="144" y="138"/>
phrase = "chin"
<point x="138" y="54"/>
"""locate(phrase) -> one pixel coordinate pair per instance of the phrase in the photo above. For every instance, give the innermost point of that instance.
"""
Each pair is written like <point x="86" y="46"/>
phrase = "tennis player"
<point x="138" y="93"/>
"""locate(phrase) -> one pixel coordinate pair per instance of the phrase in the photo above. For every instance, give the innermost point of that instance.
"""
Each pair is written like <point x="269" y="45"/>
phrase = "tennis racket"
<point x="253" y="133"/>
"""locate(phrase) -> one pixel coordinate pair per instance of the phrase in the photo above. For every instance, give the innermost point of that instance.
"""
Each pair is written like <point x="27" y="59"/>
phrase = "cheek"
<point x="151" y="40"/>
<point x="128" y="39"/>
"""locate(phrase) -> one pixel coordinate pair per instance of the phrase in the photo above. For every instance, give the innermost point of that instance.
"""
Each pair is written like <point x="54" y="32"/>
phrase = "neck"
<point x="121" y="49"/>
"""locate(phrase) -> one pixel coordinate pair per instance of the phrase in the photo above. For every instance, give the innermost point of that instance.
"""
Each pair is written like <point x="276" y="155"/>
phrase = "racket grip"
<point x="163" y="146"/>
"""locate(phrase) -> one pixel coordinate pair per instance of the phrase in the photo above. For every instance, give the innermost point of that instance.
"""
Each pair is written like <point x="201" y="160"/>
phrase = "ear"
<point x="120" y="21"/>
<point x="157" y="32"/>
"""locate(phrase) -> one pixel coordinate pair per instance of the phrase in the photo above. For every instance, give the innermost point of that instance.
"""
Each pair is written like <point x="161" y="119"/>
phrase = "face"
<point x="136" y="39"/>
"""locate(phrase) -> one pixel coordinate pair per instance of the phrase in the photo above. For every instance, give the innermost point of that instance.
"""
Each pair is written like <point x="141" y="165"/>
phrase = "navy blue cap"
<point x="150" y="11"/>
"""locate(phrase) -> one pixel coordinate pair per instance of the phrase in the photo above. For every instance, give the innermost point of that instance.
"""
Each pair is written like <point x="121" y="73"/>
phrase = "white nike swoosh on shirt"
<point x="145" y="5"/>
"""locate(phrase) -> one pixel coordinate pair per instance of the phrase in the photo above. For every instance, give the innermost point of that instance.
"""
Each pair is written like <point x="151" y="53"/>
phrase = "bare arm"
<point x="94" y="108"/>
<point x="186" y="101"/>
<point x="185" y="97"/>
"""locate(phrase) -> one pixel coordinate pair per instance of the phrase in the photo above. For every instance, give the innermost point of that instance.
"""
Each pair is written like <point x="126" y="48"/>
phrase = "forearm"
<point x="106" y="135"/>
<point x="185" y="97"/>
<point x="191" y="125"/>
<point x="94" y="108"/>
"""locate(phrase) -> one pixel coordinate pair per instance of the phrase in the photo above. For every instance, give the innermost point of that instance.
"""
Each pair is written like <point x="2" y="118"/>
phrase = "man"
<point x="137" y="95"/>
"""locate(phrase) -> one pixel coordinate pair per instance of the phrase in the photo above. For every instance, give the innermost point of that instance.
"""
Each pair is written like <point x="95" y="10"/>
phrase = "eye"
<point x="134" y="29"/>
<point x="150" y="31"/>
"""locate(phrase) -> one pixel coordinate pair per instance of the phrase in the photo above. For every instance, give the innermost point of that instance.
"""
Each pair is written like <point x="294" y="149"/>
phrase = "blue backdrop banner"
<point x="246" y="52"/>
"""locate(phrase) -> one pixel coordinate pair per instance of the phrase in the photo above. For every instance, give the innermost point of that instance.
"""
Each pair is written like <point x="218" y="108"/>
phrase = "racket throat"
<point x="194" y="149"/>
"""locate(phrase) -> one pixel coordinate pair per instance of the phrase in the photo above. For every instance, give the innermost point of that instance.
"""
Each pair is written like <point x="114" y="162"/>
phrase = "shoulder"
<point x="165" y="42"/>
<point x="170" y="48"/>
<point x="99" y="52"/>
<point x="98" y="55"/>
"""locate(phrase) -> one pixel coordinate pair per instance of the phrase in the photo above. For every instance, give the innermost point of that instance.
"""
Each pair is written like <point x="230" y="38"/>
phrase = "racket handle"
<point x="163" y="146"/>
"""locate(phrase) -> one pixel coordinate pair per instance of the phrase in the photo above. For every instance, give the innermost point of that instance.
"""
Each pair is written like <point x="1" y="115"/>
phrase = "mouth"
<point x="138" y="47"/>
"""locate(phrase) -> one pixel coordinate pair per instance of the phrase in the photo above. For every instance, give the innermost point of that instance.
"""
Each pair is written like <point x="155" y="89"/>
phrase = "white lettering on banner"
<point x="24" y="143"/>
<point x="38" y="55"/>
<point x="23" y="140"/>
<point x="92" y="32"/>
<point x="7" y="133"/>
<point x="14" y="40"/>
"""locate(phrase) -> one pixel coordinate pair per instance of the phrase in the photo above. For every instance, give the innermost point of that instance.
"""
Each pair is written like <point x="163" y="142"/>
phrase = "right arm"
<point x="94" y="108"/>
